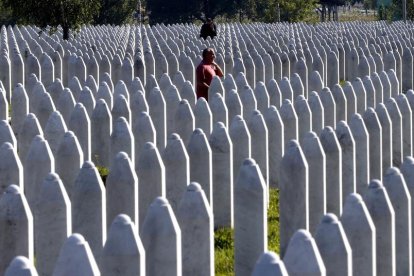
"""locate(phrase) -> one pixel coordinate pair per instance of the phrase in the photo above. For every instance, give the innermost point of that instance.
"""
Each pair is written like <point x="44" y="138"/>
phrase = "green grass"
<point x="103" y="172"/>
<point x="224" y="240"/>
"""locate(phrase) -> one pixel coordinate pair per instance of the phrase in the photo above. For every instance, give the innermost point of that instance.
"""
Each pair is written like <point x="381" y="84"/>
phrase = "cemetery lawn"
<point x="224" y="243"/>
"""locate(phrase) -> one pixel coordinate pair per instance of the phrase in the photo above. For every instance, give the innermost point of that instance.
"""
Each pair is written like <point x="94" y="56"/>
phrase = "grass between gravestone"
<point x="224" y="240"/>
<point x="223" y="237"/>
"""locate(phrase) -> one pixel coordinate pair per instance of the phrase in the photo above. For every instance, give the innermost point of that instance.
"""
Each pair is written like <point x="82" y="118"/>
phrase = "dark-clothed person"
<point x="208" y="29"/>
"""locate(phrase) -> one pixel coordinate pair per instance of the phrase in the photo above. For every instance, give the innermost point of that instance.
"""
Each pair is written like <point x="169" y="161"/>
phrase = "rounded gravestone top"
<point x="201" y="99"/>
<point x="86" y="89"/>
<point x="256" y="113"/>
<point x="69" y="134"/>
<point x="185" y="101"/>
<point x="393" y="171"/>
<point x="286" y="102"/>
<point x="272" y="108"/>
<point x="238" y="118"/>
<point x="268" y="258"/>
<point x="311" y="135"/>
<point x="375" y="184"/>
<point x="408" y="160"/>
<point x="31" y="116"/>
<point x="100" y="102"/>
<point x="122" y="219"/>
<point x="341" y="125"/>
<point x="328" y="129"/>
<point x="300" y="98"/>
<point x="56" y="114"/>
<point x="7" y="146"/>
<point x="13" y="189"/>
<point x="356" y="116"/>
<point x="4" y="123"/>
<point x="67" y="90"/>
<point x="160" y="201"/>
<point x="370" y="111"/>
<point x="88" y="165"/>
<point x="52" y="177"/>
<point x="293" y="143"/>
<point x="381" y="106"/>
<point x="302" y="234"/>
<point x="75" y="238"/>
<point x="198" y="131"/>
<point x="249" y="162"/>
<point x="144" y="114"/>
<point x="219" y="125"/>
<point x="390" y="101"/>
<point x="120" y="97"/>
<point x="314" y="93"/>
<point x="326" y="90"/>
<point x="149" y="146"/>
<point x="410" y="92"/>
<point x="194" y="187"/>
<point x="354" y="198"/>
<point x="121" y="120"/>
<point x="20" y="262"/>
<point x="174" y="136"/>
<point x="121" y="155"/>
<point x="330" y="218"/>
<point x="79" y="105"/>
<point x="38" y="138"/>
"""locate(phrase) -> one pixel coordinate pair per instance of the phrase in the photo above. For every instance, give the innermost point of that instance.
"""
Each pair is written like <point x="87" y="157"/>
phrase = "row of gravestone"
<point x="338" y="135"/>
<point x="370" y="239"/>
<point x="302" y="55"/>
<point x="218" y="112"/>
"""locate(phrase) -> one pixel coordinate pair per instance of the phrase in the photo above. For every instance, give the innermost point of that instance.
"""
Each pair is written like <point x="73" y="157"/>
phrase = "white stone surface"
<point x="122" y="190"/>
<point x="123" y="252"/>
<point x="52" y="222"/>
<point x="197" y="235"/>
<point x="294" y="185"/>
<point x="88" y="208"/>
<point x="161" y="237"/>
<point x="250" y="217"/>
<point x="16" y="227"/>
<point x="76" y="258"/>
<point x="382" y="213"/>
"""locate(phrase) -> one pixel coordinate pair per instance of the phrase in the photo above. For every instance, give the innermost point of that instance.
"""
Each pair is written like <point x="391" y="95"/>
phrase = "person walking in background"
<point x="208" y="29"/>
<point x="205" y="72"/>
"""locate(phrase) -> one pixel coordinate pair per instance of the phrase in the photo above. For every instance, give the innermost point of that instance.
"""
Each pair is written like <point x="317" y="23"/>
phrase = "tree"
<point x="116" y="12"/>
<point x="187" y="11"/>
<point x="331" y="6"/>
<point x="284" y="10"/>
<point x="6" y="17"/>
<point x="69" y="14"/>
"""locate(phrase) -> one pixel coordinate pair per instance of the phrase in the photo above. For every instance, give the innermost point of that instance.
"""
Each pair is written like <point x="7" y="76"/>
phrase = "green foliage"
<point x="224" y="239"/>
<point x="116" y="12"/>
<point x="224" y="251"/>
<point x="393" y="9"/>
<point x="273" y="242"/>
<point x="296" y="10"/>
<point x="103" y="172"/>
<point x="6" y="17"/>
<point x="244" y="10"/>
<point x="69" y="14"/>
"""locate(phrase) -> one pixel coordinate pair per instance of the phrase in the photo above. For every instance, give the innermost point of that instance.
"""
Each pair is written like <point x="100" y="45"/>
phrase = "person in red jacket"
<point x="205" y="72"/>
